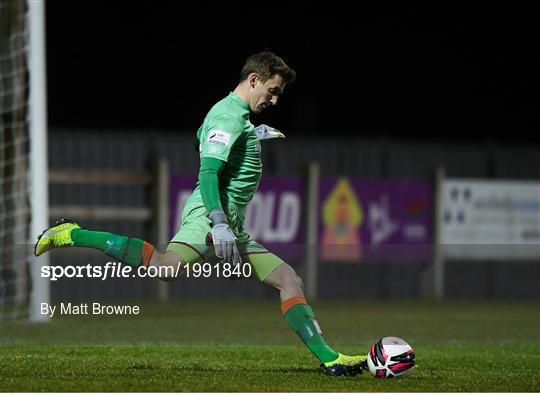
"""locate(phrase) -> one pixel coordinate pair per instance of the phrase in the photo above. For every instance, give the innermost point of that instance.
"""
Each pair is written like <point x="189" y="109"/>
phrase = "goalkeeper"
<point x="230" y="170"/>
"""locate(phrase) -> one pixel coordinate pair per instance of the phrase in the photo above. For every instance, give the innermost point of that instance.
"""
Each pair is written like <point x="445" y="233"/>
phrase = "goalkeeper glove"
<point x="265" y="132"/>
<point x="223" y="238"/>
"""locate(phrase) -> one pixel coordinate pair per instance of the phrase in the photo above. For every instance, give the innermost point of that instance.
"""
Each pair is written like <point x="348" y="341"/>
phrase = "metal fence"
<point x="366" y="158"/>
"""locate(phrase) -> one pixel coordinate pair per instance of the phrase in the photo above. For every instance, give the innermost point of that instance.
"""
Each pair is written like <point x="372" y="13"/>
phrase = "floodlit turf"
<point x="239" y="346"/>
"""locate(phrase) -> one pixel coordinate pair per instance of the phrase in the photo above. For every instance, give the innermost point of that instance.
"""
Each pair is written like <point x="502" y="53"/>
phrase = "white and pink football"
<point x="391" y="357"/>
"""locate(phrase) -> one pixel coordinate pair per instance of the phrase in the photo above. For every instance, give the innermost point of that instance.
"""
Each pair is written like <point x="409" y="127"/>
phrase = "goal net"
<point x="14" y="159"/>
<point x="17" y="164"/>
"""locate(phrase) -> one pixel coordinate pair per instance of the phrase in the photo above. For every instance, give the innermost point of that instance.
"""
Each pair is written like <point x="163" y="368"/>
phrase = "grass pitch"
<point x="248" y="347"/>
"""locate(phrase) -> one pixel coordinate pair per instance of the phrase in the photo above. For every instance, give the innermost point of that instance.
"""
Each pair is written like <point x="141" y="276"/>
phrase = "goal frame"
<point x="39" y="189"/>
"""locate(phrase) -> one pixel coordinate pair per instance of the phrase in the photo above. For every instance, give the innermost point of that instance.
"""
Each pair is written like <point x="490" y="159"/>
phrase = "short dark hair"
<point x="267" y="64"/>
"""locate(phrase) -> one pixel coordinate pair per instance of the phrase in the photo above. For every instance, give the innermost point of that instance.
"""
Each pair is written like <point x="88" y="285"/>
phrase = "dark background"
<point x="437" y="74"/>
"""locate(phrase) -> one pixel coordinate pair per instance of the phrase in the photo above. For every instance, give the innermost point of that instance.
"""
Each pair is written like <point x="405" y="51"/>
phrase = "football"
<point x="391" y="357"/>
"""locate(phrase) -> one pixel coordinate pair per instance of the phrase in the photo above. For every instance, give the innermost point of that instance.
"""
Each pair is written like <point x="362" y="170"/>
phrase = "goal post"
<point x="39" y="191"/>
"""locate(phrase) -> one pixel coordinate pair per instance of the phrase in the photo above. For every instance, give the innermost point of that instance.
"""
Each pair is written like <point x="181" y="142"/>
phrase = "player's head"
<point x="266" y="75"/>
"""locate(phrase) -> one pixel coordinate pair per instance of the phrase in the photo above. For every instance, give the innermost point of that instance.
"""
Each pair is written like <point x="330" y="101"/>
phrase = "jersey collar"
<point x="238" y="100"/>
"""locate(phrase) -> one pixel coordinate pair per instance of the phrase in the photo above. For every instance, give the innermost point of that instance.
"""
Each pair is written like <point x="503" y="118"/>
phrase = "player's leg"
<point x="128" y="250"/>
<point x="273" y="271"/>
<point x="65" y="233"/>
<point x="169" y="265"/>
<point x="188" y="246"/>
<point x="296" y="310"/>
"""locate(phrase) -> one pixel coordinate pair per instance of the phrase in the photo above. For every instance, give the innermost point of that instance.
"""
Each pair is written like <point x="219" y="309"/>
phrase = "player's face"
<point x="266" y="94"/>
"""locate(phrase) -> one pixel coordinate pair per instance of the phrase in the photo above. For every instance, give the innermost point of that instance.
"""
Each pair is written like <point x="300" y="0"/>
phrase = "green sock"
<point x="302" y="320"/>
<point x="124" y="249"/>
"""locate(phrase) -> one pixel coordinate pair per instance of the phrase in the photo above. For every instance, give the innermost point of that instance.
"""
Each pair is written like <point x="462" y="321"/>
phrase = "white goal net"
<point x="14" y="160"/>
<point x="17" y="164"/>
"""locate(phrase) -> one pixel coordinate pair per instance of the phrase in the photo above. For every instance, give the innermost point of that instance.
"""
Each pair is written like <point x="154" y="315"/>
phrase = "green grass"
<point x="248" y="347"/>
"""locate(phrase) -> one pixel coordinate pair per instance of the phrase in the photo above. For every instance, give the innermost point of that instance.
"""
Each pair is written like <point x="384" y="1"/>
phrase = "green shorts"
<point x="192" y="245"/>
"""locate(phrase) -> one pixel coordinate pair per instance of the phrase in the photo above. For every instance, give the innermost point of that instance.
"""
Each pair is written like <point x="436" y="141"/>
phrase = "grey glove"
<point x="223" y="238"/>
<point x="265" y="132"/>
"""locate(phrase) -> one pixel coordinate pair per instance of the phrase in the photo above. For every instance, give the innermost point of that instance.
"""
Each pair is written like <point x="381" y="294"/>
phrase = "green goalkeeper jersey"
<point x="228" y="135"/>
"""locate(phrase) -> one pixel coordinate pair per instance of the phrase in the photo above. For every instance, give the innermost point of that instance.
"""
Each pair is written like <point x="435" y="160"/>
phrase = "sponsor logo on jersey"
<point x="219" y="137"/>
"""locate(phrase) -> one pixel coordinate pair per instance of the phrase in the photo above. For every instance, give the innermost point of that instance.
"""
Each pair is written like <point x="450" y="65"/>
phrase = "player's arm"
<point x="222" y="236"/>
<point x="209" y="182"/>
<point x="216" y="146"/>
